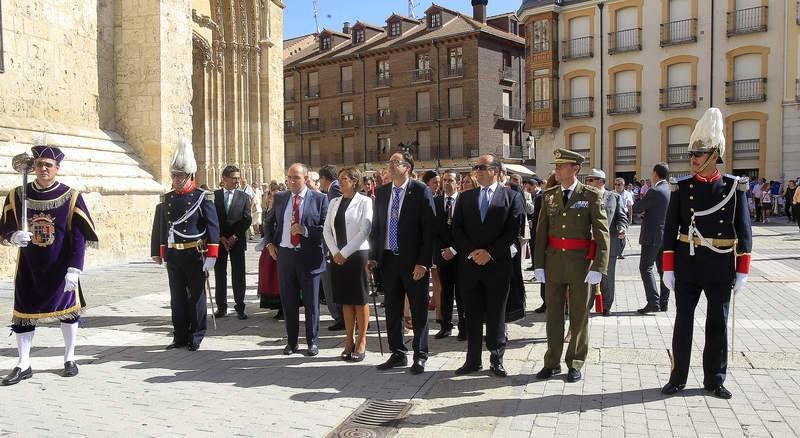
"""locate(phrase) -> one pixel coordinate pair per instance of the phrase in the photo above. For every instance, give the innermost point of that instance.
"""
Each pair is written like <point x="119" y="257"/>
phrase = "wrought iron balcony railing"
<point x="679" y="32"/>
<point x="421" y="74"/>
<point x="677" y="152"/>
<point x="312" y="92"/>
<point x="579" y="107"/>
<point x="746" y="90"/>
<point x="627" y="40"/>
<point x="577" y="48"/>
<point x="625" y="155"/>
<point x="624" y="103"/>
<point x="746" y="149"/>
<point x="382" y="117"/>
<point x="678" y="97"/>
<point x="747" y="20"/>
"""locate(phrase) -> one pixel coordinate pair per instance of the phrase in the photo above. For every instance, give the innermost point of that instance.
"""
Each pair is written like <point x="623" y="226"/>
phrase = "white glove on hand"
<point x="538" y="274"/>
<point x="669" y="279"/>
<point x="741" y="279"/>
<point x="260" y="245"/>
<point x="593" y="277"/>
<point x="209" y="264"/>
<point x="71" y="279"/>
<point x="21" y="238"/>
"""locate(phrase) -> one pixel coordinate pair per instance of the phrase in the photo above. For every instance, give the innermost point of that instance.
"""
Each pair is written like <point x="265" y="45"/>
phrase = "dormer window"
<point x="325" y="43"/>
<point x="435" y="19"/>
<point x="358" y="36"/>
<point x="394" y="28"/>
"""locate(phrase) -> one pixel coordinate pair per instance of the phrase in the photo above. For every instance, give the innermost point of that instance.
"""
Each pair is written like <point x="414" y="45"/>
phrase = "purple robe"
<point x="61" y="227"/>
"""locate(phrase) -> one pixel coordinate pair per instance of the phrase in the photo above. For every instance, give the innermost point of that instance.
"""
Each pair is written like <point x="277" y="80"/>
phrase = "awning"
<point x="519" y="170"/>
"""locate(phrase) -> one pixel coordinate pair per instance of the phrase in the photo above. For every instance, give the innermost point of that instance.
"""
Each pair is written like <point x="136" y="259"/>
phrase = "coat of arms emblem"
<point x="43" y="229"/>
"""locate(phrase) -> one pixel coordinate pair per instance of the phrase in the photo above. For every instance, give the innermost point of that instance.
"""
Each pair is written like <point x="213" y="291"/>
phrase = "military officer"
<point x="707" y="244"/>
<point x="571" y="251"/>
<point x="186" y="237"/>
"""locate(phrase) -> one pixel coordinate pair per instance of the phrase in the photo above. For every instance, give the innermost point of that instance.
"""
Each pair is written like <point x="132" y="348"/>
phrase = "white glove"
<point x="209" y="264"/>
<point x="741" y="279"/>
<point x="260" y="245"/>
<point x="71" y="279"/>
<point x="593" y="277"/>
<point x="669" y="279"/>
<point x="538" y="274"/>
<point x="21" y="238"/>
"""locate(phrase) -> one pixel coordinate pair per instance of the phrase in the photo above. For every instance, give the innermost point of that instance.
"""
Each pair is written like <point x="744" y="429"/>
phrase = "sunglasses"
<point x="697" y="154"/>
<point x="482" y="167"/>
<point x="44" y="164"/>
<point x="590" y="180"/>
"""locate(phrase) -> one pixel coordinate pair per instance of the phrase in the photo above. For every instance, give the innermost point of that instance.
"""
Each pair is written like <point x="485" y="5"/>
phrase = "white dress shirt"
<point x="492" y="190"/>
<point x="404" y="187"/>
<point x="454" y="197"/>
<point x="286" y="236"/>
<point x="570" y="188"/>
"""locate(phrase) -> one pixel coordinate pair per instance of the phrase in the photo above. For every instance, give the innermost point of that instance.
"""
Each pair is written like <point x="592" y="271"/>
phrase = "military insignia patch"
<point x="43" y="229"/>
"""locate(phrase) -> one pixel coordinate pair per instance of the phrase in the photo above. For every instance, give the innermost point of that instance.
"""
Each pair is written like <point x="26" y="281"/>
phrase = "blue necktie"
<point x="228" y="199"/>
<point x="484" y="202"/>
<point x="394" y="219"/>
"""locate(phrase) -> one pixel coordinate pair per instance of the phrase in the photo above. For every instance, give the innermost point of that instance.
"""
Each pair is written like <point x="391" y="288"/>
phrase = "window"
<point x="424" y="142"/>
<point x="455" y="62"/>
<point x="456" y="137"/>
<point x="435" y="19"/>
<point x="346" y="79"/>
<point x="541" y="89"/>
<point x="313" y="84"/>
<point x="288" y="88"/>
<point x="540" y="36"/>
<point x="383" y="68"/>
<point x="383" y="103"/>
<point x="384" y="144"/>
<point x="514" y="28"/>
<point x="358" y="36"/>
<point x="423" y="106"/>
<point x="347" y="111"/>
<point x="455" y="102"/>
<point x="394" y="28"/>
<point x="423" y="71"/>
<point x="384" y="112"/>
<point x="325" y="43"/>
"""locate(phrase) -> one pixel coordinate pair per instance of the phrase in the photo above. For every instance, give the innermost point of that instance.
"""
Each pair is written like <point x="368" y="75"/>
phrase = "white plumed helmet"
<point x="708" y="134"/>
<point x="183" y="160"/>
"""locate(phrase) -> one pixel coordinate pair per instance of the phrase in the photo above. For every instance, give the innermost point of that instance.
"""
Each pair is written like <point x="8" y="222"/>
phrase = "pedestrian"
<point x="186" y="237"/>
<point x="294" y="235"/>
<point x="758" y="196"/>
<point x="617" y="227"/>
<point x="256" y="210"/>
<point x="486" y="224"/>
<point x="46" y="282"/>
<point x="346" y="231"/>
<point x="571" y="252"/>
<point x="626" y="202"/>
<point x="444" y="256"/>
<point x="653" y="206"/>
<point x="313" y="181"/>
<point x="796" y="205"/>
<point x="468" y="182"/>
<point x="329" y="185"/>
<point x="401" y="246"/>
<point x="268" y="283"/>
<point x="537" y="208"/>
<point x="515" y="305"/>
<point x="234" y="213"/>
<point x="432" y="179"/>
<point x="766" y="205"/>
<point x="631" y="198"/>
<point x="247" y="188"/>
<point x="707" y="244"/>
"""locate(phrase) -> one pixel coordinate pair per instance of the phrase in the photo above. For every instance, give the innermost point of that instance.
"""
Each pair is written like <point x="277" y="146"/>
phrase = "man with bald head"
<point x="294" y="234"/>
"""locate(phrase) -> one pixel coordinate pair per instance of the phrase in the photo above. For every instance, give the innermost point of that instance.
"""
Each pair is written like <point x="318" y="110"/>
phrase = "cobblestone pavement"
<point x="239" y="383"/>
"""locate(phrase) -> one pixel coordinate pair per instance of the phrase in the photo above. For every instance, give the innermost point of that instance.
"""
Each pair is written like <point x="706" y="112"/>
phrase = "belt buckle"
<point x="395" y="252"/>
<point x="296" y="249"/>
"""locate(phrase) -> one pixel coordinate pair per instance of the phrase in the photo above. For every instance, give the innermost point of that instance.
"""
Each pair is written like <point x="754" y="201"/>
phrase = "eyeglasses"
<point x="44" y="164"/>
<point x="697" y="154"/>
<point x="483" y="167"/>
<point x="618" y="184"/>
<point x="396" y="163"/>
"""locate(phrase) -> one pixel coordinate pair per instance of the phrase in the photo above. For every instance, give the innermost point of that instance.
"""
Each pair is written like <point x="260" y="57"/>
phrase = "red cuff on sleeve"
<point x="162" y="251"/>
<point x="213" y="250"/>
<point x="668" y="260"/>
<point x="743" y="264"/>
<point x="592" y="250"/>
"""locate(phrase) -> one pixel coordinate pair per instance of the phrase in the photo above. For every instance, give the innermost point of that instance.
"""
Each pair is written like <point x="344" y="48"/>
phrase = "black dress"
<point x="349" y="280"/>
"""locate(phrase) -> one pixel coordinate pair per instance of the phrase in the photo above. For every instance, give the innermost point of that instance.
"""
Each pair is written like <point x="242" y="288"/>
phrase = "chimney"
<point x="346" y="27"/>
<point x="479" y="10"/>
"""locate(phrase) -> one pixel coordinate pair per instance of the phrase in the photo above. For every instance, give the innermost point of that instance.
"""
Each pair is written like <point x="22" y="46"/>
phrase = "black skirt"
<point x="350" y="280"/>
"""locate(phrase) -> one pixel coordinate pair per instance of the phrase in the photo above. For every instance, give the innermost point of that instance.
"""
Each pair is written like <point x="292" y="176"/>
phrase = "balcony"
<point x="677" y="152"/>
<point x="346" y="87"/>
<point x="578" y="48"/>
<point x="678" y="98"/>
<point x="507" y="75"/>
<point x="578" y="108"/>
<point x="509" y="113"/>
<point x="313" y="124"/>
<point x="345" y="121"/>
<point x="544" y="113"/>
<point x="460" y="151"/>
<point x="748" y="20"/>
<point x="455" y="71"/>
<point x="289" y="127"/>
<point x="627" y="40"/>
<point x="540" y="47"/>
<point x="624" y="103"/>
<point x="384" y="117"/>
<point x="746" y="149"/>
<point x="383" y="80"/>
<point x="456" y="112"/>
<point x="288" y="95"/>
<point x="331" y="158"/>
<point x="312" y="92"/>
<point x="625" y="155"/>
<point x="679" y="32"/>
<point x="421" y="115"/>
<point x="421" y="75"/>
<point x="746" y="90"/>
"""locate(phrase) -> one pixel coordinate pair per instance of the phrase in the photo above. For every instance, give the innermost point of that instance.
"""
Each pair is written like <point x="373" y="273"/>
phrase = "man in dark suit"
<point x="444" y="255"/>
<point x="486" y="225"/>
<point x="651" y="238"/>
<point x="233" y="211"/>
<point x="401" y="246"/>
<point x="294" y="232"/>
<point x="329" y="184"/>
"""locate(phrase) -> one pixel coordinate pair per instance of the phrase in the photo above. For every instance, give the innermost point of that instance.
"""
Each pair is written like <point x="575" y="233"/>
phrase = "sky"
<point x="298" y="18"/>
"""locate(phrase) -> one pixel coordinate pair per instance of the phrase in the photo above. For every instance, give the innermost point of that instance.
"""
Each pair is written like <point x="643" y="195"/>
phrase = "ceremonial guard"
<point x="51" y="225"/>
<point x="186" y="237"/>
<point x="571" y="251"/>
<point x="707" y="244"/>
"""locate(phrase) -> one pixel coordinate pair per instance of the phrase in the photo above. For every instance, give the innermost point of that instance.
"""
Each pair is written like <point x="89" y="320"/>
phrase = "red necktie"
<point x="295" y="215"/>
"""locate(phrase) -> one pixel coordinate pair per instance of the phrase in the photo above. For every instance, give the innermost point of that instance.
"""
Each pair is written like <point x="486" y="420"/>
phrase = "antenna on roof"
<point x="316" y="13"/>
<point x="412" y="4"/>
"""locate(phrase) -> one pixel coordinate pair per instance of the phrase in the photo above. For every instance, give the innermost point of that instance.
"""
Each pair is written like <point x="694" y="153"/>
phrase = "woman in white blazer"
<point x="346" y="233"/>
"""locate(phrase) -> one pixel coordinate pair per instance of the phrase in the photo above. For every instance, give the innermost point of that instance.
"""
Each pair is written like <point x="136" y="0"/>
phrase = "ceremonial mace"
<point x="374" y="294"/>
<point x="23" y="163"/>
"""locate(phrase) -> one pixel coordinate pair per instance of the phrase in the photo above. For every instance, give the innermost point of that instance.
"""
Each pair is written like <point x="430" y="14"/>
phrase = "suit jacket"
<point x="315" y="209"/>
<point x="495" y="234"/>
<point x="654" y="206"/>
<point x="617" y="221"/>
<point x="358" y="225"/>
<point x="333" y="191"/>
<point x="415" y="228"/>
<point x="443" y="237"/>
<point x="237" y="219"/>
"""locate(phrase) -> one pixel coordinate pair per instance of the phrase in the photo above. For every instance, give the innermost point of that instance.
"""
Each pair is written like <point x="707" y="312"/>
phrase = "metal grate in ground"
<point x="373" y="419"/>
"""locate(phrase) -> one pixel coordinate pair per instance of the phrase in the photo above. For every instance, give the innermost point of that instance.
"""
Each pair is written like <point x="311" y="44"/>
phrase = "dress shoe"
<point x="394" y="361"/>
<point x="418" y="367"/>
<point x="287" y="350"/>
<point x="462" y="335"/>
<point x="312" y="351"/>
<point x="70" y="369"/>
<point x="719" y="391"/>
<point x="346" y="355"/>
<point x="175" y="344"/>
<point x="649" y="309"/>
<point x="241" y="315"/>
<point x="193" y="346"/>
<point x="664" y="307"/>
<point x="443" y="333"/>
<point x="573" y="375"/>
<point x="221" y="313"/>
<point x="17" y="375"/>
<point x="339" y="326"/>
<point x="671" y="388"/>
<point x="498" y="370"/>
<point x="468" y="368"/>
<point x="541" y="309"/>
<point x="279" y="315"/>
<point x="547" y="373"/>
<point x="358" y="357"/>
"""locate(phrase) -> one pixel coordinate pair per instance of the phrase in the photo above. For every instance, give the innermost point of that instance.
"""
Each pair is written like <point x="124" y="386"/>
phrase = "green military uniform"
<point x="564" y="251"/>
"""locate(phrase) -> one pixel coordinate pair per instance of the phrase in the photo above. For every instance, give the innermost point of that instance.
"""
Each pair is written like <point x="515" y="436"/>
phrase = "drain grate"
<point x="373" y="419"/>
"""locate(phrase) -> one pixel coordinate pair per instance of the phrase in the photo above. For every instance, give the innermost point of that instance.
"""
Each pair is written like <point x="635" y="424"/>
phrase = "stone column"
<point x="271" y="84"/>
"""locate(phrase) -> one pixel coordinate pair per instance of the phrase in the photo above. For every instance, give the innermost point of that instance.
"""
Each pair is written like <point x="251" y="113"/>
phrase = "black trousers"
<point x="448" y="275"/>
<point x="485" y="291"/>
<point x="237" y="278"/>
<point x="796" y="209"/>
<point x="655" y="290"/>
<point x="759" y="210"/>
<point x="397" y="283"/>
<point x="295" y="280"/>
<point x="187" y="295"/>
